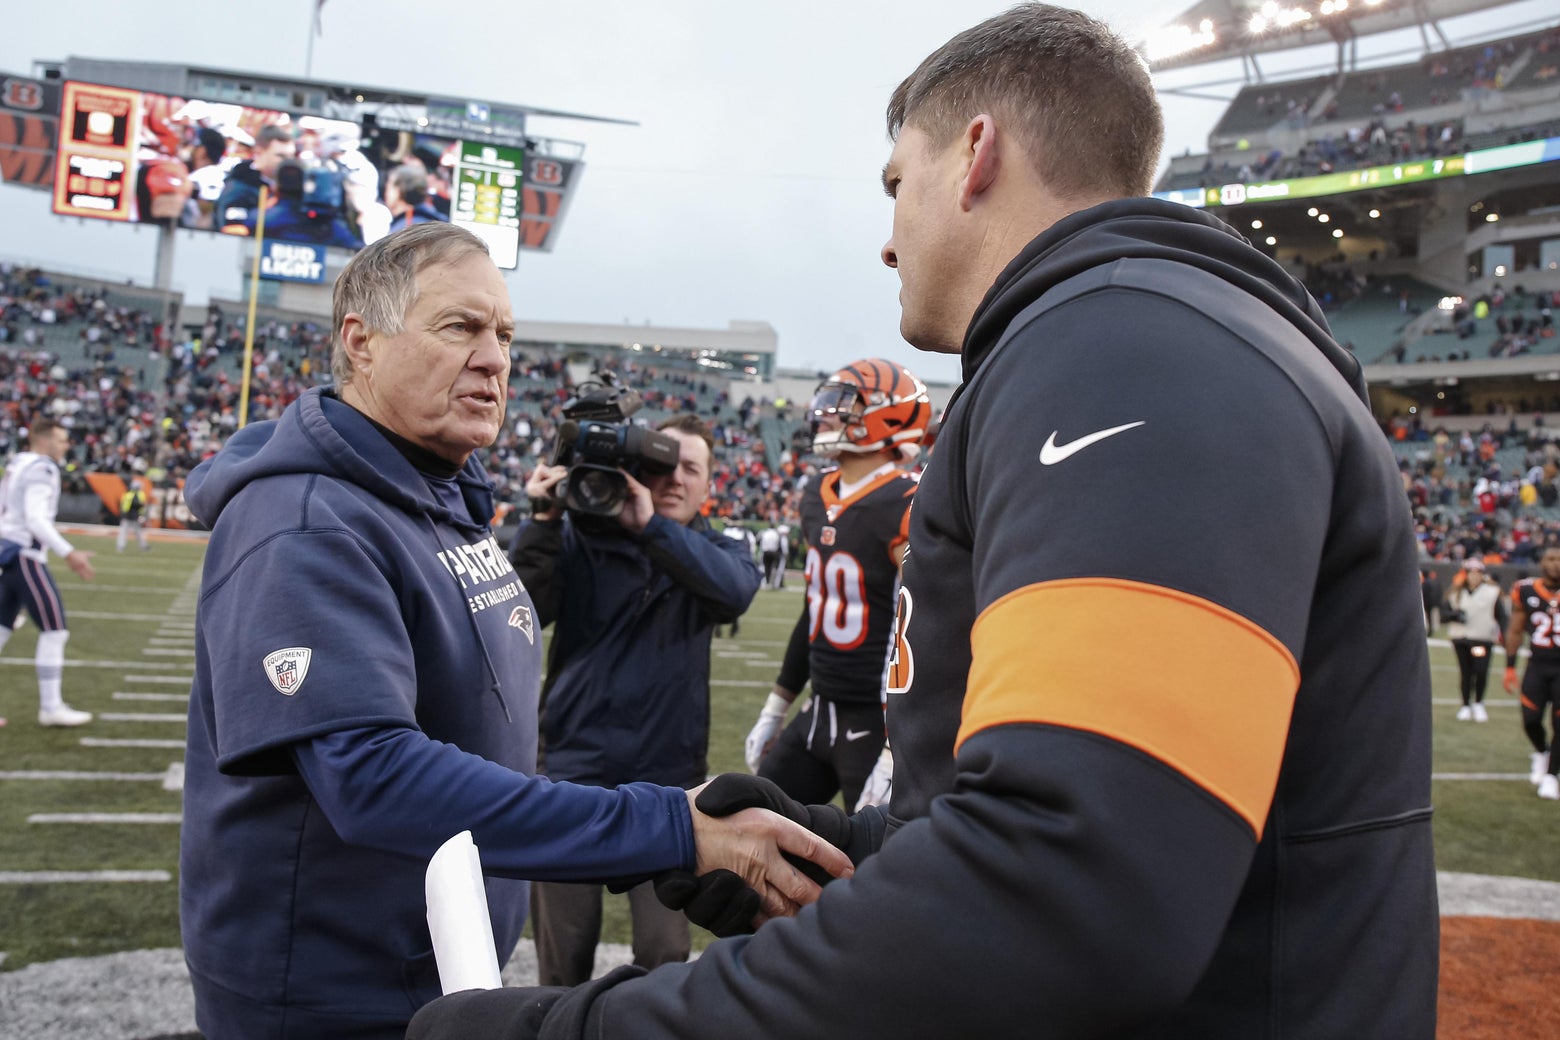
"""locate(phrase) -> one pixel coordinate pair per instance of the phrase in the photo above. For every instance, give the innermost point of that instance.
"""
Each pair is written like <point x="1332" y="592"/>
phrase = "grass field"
<point x="130" y="658"/>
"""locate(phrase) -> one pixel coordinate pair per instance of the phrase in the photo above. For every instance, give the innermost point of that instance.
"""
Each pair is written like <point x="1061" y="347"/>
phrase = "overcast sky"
<point x="749" y="189"/>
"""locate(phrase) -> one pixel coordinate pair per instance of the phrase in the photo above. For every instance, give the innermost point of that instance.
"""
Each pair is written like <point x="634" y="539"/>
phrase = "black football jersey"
<point x="1543" y="616"/>
<point x="853" y="549"/>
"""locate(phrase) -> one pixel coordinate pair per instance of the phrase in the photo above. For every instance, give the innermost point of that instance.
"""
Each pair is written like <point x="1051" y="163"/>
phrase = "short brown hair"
<point x="380" y="283"/>
<point x="693" y="426"/>
<point x="40" y="427"/>
<point x="1078" y="96"/>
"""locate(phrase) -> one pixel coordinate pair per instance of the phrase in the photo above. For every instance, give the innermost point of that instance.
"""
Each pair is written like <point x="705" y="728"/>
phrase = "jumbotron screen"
<point x="135" y="156"/>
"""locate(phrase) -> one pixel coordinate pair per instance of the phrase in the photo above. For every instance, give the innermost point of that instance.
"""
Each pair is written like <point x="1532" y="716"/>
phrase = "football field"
<point x="89" y="817"/>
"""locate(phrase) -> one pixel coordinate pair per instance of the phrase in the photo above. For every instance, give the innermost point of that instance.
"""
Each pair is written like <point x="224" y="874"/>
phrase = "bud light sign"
<point x="292" y="262"/>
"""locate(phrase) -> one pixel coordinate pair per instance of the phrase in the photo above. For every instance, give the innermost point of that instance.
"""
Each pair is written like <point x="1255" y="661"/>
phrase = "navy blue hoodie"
<point x="367" y="672"/>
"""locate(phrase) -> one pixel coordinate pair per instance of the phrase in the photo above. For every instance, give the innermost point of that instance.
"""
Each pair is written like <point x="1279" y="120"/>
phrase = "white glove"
<point x="765" y="730"/>
<point x="880" y="782"/>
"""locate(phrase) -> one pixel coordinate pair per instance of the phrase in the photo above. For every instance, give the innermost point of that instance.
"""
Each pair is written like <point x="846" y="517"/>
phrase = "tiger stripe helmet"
<point x="881" y="404"/>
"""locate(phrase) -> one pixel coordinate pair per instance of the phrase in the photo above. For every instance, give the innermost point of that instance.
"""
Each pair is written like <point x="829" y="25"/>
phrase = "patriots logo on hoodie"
<point x="520" y="618"/>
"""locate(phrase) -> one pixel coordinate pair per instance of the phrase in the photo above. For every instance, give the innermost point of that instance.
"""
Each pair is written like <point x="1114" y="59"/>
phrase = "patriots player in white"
<point x="29" y="500"/>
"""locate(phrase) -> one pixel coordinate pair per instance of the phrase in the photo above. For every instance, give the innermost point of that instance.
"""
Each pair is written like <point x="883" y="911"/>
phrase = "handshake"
<point x="712" y="896"/>
<point x="722" y="900"/>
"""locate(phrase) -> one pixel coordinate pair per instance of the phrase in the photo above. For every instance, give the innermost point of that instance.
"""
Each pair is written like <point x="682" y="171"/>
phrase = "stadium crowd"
<point x="143" y="401"/>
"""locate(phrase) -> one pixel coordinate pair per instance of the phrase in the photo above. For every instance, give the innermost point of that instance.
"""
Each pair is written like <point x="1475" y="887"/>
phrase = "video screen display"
<point x="135" y="156"/>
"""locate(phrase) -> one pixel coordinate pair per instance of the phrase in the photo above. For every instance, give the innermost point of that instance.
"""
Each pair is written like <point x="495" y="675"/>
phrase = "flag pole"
<point x="254" y="296"/>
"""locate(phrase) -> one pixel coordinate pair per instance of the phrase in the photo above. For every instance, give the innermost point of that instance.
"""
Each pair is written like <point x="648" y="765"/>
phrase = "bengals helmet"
<point x="880" y="404"/>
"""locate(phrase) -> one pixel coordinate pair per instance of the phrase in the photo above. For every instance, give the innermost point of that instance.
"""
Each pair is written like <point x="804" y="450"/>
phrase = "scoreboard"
<point x="487" y="200"/>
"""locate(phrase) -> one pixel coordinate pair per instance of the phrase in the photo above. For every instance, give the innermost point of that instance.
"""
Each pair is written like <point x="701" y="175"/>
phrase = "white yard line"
<point x="56" y="877"/>
<point x="176" y="679"/>
<point x="132" y="716"/>
<point x="755" y="683"/>
<point x="70" y="663"/>
<point x="1478" y="776"/>
<point x="120" y="742"/>
<point x="124" y="695"/>
<point x="47" y="774"/>
<point x="97" y="817"/>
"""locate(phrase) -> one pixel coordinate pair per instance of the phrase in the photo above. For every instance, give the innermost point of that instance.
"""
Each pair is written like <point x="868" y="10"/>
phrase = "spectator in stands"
<point x="636" y="599"/>
<point x="29" y="503"/>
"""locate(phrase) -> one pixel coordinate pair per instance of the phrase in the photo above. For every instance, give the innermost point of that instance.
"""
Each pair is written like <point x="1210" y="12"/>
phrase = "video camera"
<point x="596" y="441"/>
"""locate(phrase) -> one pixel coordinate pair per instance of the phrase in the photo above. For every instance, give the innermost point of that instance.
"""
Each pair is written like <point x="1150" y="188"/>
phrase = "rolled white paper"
<point x="458" y="918"/>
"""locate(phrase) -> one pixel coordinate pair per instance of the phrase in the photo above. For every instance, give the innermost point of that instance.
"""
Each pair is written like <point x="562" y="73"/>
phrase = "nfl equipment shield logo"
<point x="520" y="618"/>
<point x="287" y="668"/>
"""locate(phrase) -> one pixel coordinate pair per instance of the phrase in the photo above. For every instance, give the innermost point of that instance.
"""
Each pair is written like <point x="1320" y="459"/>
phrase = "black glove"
<point x="522" y="1013"/>
<point x="857" y="836"/>
<point x="719" y="902"/>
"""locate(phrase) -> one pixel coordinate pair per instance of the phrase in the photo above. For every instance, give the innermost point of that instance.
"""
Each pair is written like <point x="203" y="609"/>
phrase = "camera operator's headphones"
<point x="881" y="404"/>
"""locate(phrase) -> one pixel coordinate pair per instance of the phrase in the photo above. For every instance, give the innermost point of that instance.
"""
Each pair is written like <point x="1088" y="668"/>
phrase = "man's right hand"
<point x="751" y="843"/>
<point x="1509" y="680"/>
<point x="762" y="736"/>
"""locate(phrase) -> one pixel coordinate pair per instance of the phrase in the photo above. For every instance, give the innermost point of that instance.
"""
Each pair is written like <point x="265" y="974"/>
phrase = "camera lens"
<point x="598" y="491"/>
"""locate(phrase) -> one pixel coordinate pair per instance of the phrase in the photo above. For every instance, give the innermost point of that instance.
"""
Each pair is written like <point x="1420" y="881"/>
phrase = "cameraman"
<point x="636" y="599"/>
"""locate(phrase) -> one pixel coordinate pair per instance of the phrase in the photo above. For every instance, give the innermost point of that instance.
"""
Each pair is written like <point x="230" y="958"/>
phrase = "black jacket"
<point x="627" y="695"/>
<point x="1160" y="706"/>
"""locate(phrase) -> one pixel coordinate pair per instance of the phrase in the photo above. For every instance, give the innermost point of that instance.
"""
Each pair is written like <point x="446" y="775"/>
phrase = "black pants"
<point x="829" y="746"/>
<point x="1541" y="696"/>
<point x="567" y="921"/>
<point x="1473" y="661"/>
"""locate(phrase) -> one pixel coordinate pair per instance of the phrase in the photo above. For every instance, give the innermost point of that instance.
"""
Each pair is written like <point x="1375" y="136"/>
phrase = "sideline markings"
<point x="168" y="651"/>
<point x="1478" y="776"/>
<point x="102" y="817"/>
<point x="56" y="877"/>
<point x="184" y="679"/>
<point x="123" y="695"/>
<point x="99" y="615"/>
<point x="767" y="662"/>
<point x="182" y="640"/>
<point x="739" y="682"/>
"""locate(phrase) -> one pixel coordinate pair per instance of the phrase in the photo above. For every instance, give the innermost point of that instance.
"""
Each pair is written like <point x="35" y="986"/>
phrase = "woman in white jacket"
<point x="1476" y="616"/>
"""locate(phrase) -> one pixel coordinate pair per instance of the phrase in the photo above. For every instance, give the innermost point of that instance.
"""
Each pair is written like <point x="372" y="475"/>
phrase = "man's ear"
<point x="982" y="156"/>
<point x="355" y="335"/>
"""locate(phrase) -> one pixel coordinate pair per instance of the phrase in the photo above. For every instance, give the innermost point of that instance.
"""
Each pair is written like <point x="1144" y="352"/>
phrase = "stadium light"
<point x="1173" y="40"/>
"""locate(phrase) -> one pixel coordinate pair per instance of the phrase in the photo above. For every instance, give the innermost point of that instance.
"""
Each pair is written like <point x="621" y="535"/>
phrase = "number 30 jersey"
<point x="1543" y="617"/>
<point x="853" y="550"/>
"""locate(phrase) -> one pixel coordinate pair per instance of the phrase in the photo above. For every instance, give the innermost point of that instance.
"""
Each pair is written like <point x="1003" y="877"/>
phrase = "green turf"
<point x="1494" y="827"/>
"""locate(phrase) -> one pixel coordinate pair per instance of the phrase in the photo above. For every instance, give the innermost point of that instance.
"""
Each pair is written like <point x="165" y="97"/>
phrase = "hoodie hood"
<point x="319" y="433"/>
<point x="1147" y="229"/>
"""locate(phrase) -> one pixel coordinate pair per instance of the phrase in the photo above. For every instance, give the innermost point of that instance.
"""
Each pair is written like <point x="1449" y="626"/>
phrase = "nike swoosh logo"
<point x="1051" y="453"/>
<point x="857" y="734"/>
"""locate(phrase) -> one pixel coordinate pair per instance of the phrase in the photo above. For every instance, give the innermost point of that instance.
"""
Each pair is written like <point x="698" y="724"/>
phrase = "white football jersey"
<point x="29" y="501"/>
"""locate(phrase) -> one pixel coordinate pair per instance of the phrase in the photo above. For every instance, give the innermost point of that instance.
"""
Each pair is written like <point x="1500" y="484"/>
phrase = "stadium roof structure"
<point x="394" y="107"/>
<point x="1223" y="30"/>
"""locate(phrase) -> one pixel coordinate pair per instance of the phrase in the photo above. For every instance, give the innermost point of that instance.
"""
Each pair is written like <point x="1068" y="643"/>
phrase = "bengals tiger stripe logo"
<point x="24" y="94"/>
